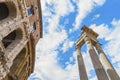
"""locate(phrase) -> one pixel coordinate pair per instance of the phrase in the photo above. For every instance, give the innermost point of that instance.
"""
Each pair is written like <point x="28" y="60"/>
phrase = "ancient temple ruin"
<point x="103" y="68"/>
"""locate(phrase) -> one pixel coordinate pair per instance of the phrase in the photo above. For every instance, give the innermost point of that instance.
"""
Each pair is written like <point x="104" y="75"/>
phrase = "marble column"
<point x="110" y="70"/>
<point x="100" y="72"/>
<point x="81" y="65"/>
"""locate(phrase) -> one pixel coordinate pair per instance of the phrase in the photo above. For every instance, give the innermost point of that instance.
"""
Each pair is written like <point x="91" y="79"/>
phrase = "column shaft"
<point x="100" y="72"/>
<point x="110" y="69"/>
<point x="81" y="66"/>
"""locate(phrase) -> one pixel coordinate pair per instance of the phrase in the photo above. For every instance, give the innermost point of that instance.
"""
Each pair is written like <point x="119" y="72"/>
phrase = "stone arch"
<point x="12" y="37"/>
<point x="17" y="61"/>
<point x="7" y="10"/>
<point x="4" y="11"/>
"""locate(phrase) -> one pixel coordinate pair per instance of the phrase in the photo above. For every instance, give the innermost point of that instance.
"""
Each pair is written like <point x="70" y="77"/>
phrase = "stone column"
<point x="100" y="72"/>
<point x="81" y="65"/>
<point x="3" y="67"/>
<point x="110" y="70"/>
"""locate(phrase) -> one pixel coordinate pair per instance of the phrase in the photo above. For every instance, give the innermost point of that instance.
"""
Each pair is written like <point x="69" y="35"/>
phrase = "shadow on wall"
<point x="7" y="9"/>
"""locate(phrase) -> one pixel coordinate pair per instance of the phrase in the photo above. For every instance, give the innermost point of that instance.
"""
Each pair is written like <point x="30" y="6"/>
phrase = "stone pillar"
<point x="3" y="67"/>
<point x="100" y="72"/>
<point x="81" y="65"/>
<point x="110" y="70"/>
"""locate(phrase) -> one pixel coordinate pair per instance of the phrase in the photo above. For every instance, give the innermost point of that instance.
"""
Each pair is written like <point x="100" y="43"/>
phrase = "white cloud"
<point x="58" y="8"/>
<point x="54" y="34"/>
<point x="95" y="16"/>
<point x="61" y="7"/>
<point x="47" y="66"/>
<point x="84" y="8"/>
<point x="66" y="45"/>
<point x="115" y="30"/>
<point x="99" y="2"/>
<point x="51" y="41"/>
<point x="103" y="30"/>
<point x="114" y="42"/>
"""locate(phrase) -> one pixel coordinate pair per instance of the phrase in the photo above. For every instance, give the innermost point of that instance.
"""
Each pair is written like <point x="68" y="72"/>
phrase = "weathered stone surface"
<point x="20" y="30"/>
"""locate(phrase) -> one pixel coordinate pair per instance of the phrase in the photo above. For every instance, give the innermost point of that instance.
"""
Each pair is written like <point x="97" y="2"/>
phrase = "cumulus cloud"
<point x="103" y="30"/>
<point x="60" y="7"/>
<point x="51" y="41"/>
<point x="84" y="8"/>
<point x="95" y="16"/>
<point x="66" y="45"/>
<point x="114" y="43"/>
<point x="47" y="66"/>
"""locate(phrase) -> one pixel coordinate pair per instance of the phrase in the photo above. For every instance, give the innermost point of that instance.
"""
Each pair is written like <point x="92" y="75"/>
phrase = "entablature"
<point x="86" y="32"/>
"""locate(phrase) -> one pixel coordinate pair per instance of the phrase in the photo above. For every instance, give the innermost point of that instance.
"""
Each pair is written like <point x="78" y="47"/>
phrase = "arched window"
<point x="18" y="60"/>
<point x="7" y="10"/>
<point x="12" y="37"/>
<point x="33" y="27"/>
<point x="9" y="39"/>
<point x="4" y="11"/>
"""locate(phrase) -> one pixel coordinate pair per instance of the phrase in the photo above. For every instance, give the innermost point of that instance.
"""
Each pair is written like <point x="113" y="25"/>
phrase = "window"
<point x="17" y="61"/>
<point x="9" y="39"/>
<point x="12" y="37"/>
<point x="4" y="11"/>
<point x="30" y="11"/>
<point x="8" y="10"/>
<point x="33" y="27"/>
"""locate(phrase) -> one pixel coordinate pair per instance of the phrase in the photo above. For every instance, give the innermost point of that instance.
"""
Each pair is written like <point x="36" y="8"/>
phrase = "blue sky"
<point x="62" y="22"/>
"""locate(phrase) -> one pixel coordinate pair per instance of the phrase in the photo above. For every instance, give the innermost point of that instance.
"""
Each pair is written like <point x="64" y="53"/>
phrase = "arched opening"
<point x="4" y="11"/>
<point x="7" y="10"/>
<point x="10" y="38"/>
<point x="33" y="27"/>
<point x="18" y="61"/>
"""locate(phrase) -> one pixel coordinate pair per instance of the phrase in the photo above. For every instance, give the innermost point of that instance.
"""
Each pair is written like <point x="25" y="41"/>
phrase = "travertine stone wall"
<point x="16" y="35"/>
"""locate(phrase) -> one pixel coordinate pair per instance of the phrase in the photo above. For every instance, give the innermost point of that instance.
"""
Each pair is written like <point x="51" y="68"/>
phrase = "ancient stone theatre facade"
<point x="103" y="68"/>
<point x="20" y="30"/>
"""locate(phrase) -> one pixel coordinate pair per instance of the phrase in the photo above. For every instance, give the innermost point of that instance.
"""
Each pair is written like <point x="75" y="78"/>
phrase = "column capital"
<point x="88" y="42"/>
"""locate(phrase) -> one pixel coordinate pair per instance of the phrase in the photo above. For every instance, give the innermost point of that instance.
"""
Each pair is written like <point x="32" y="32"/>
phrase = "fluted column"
<point x="100" y="72"/>
<point x="81" y="65"/>
<point x="110" y="70"/>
